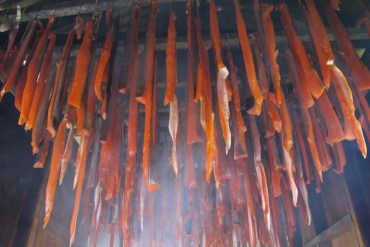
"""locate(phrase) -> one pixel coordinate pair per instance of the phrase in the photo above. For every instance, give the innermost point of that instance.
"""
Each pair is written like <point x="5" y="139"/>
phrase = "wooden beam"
<point x="181" y="44"/>
<point x="336" y="229"/>
<point x="71" y="8"/>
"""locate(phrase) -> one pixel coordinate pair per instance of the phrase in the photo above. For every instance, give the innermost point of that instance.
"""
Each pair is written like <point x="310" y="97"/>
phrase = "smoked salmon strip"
<point x="314" y="82"/>
<point x="173" y="126"/>
<point x="41" y="81"/>
<point x="287" y="140"/>
<point x="271" y="51"/>
<point x="334" y="129"/>
<point x="32" y="72"/>
<point x="104" y="61"/>
<point x="359" y="72"/>
<point x="192" y="124"/>
<point x="82" y="67"/>
<point x="222" y="97"/>
<point x="171" y="61"/>
<point x="352" y="127"/>
<point x="61" y="68"/>
<point x="320" y="41"/>
<point x="132" y="46"/>
<point x="10" y="77"/>
<point x="248" y="61"/>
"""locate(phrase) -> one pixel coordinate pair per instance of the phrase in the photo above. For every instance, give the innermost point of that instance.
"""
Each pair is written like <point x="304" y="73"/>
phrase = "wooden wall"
<point x="19" y="182"/>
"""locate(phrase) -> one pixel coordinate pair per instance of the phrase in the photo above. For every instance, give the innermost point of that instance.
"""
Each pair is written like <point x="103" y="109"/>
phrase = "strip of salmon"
<point x="260" y="171"/>
<point x="334" y="129"/>
<point x="41" y="81"/>
<point x="302" y="146"/>
<point x="90" y="103"/>
<point x="271" y="50"/>
<point x="80" y="182"/>
<point x="352" y="125"/>
<point x="240" y="146"/>
<point x="54" y="170"/>
<point x="152" y="186"/>
<point x="248" y="61"/>
<point x="32" y="72"/>
<point x="114" y="173"/>
<point x="287" y="139"/>
<point x="107" y="80"/>
<point x="82" y="67"/>
<point x="190" y="179"/>
<point x="173" y="129"/>
<point x="324" y="155"/>
<point x="132" y="123"/>
<point x="222" y="98"/>
<point x="12" y="73"/>
<point x="275" y="220"/>
<point x="40" y="120"/>
<point x="104" y="62"/>
<point x="206" y="113"/>
<point x="299" y="80"/>
<point x="275" y="173"/>
<point x="144" y="89"/>
<point x="315" y="83"/>
<point x="311" y="142"/>
<point x="359" y="72"/>
<point x="342" y="160"/>
<point x="67" y="154"/>
<point x="320" y="41"/>
<point x="11" y="40"/>
<point x="273" y="116"/>
<point x="61" y="69"/>
<point x="43" y="152"/>
<point x="171" y="61"/>
<point x="261" y="66"/>
<point x="192" y="124"/>
<point x="20" y="85"/>
<point x="132" y="46"/>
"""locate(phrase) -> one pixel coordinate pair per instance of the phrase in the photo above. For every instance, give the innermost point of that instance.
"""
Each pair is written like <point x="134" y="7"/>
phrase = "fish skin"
<point x="173" y="125"/>
<point x="223" y="107"/>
